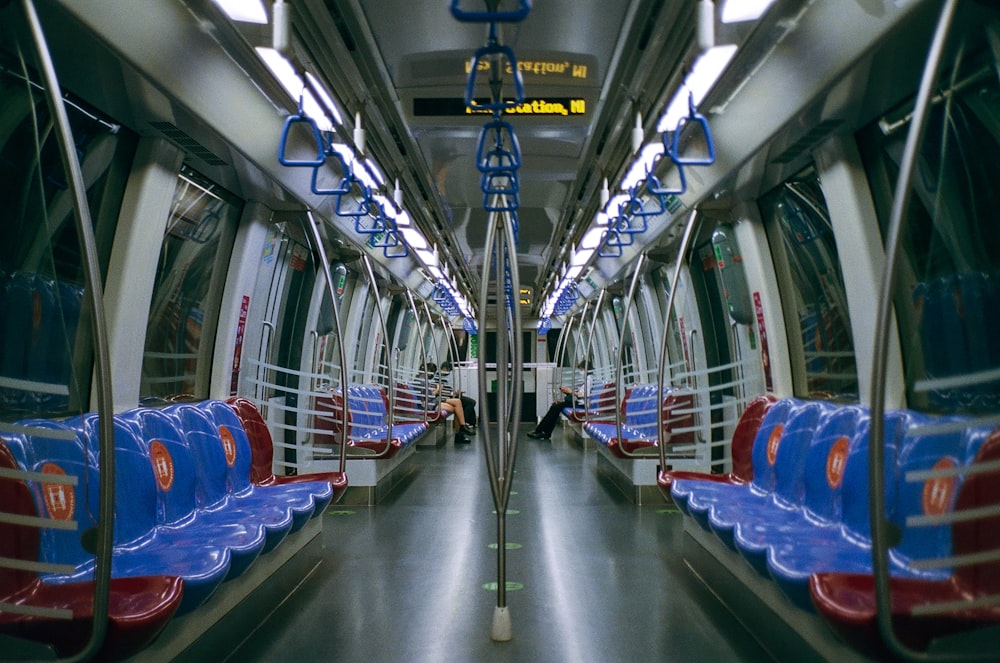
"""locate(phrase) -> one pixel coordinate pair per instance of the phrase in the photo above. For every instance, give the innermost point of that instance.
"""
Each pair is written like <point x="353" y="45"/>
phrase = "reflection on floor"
<point x="598" y="578"/>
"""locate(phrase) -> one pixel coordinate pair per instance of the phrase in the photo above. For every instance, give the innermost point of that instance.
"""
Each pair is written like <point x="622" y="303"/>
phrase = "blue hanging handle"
<point x="638" y="208"/>
<point x="343" y="187"/>
<point x="398" y="254"/>
<point x="376" y="212"/>
<point x="511" y="16"/>
<point x="609" y="248"/>
<point x="301" y="118"/>
<point x="622" y="231"/>
<point x="696" y="117"/>
<point x="470" y="88"/>
<point x="498" y="156"/>
<point x="364" y="208"/>
<point x="653" y="184"/>
<point x="469" y="325"/>
<point x="500" y="181"/>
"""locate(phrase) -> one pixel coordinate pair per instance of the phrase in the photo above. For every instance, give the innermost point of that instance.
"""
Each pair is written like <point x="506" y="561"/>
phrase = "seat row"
<point x="367" y="421"/>
<point x="640" y="420"/>
<point x="187" y="516"/>
<point x="799" y="514"/>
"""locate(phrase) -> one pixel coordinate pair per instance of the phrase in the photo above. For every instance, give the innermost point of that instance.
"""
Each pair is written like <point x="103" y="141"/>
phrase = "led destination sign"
<point x="447" y="106"/>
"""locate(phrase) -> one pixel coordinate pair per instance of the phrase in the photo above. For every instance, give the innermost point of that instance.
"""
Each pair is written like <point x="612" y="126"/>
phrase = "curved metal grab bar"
<point x="880" y="527"/>
<point x="317" y="240"/>
<point x="690" y="230"/>
<point x="102" y="355"/>
<point x="626" y="309"/>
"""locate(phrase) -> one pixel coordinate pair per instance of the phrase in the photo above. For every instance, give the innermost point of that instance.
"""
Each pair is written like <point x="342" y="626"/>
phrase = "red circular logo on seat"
<point x="836" y="463"/>
<point x="60" y="498"/>
<point x="163" y="465"/>
<point x="938" y="491"/>
<point x="773" y="442"/>
<point x="228" y="445"/>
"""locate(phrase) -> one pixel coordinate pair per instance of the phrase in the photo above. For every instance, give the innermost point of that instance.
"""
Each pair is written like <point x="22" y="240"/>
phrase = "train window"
<point x="947" y="301"/>
<point x="812" y="288"/>
<point x="45" y="351"/>
<point x="189" y="281"/>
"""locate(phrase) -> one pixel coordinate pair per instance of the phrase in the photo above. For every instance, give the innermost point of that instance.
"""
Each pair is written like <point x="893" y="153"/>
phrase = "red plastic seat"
<point x="741" y="450"/>
<point x="262" y="451"/>
<point x="139" y="608"/>
<point x="847" y="601"/>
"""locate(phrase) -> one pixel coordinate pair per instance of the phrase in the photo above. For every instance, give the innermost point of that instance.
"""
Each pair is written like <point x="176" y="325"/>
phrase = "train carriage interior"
<point x="499" y="330"/>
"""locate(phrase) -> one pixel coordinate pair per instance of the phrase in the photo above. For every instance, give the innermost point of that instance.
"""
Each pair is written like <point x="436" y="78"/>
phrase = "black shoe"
<point x="538" y="435"/>
<point x="461" y="439"/>
<point x="468" y="430"/>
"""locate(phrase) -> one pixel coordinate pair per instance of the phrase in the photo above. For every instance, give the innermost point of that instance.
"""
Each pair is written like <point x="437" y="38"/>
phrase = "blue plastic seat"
<point x="178" y="517"/>
<point x="776" y="493"/>
<point x="307" y="499"/>
<point x="696" y="498"/>
<point x="138" y="551"/>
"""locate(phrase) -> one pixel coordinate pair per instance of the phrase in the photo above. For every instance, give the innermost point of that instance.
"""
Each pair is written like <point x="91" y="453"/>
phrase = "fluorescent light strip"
<point x="737" y="11"/>
<point x="705" y="72"/>
<point x="244" y="11"/>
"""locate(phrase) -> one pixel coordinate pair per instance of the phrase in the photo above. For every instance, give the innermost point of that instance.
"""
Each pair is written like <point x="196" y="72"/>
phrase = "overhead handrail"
<point x="690" y="230"/>
<point x="301" y="118"/>
<point x="693" y="117"/>
<point x="102" y="355"/>
<point x="511" y="16"/>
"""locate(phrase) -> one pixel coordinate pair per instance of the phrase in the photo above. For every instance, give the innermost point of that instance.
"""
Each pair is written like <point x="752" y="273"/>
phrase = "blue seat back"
<point x="826" y="461"/>
<point x="172" y="464"/>
<point x="233" y="441"/>
<point x="65" y="455"/>
<point x="768" y="440"/>
<point x="210" y="457"/>
<point x="792" y="450"/>
<point x="938" y="444"/>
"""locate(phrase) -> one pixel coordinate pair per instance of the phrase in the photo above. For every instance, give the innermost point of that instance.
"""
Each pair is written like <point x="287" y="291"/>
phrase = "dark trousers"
<point x="551" y="418"/>
<point x="469" y="407"/>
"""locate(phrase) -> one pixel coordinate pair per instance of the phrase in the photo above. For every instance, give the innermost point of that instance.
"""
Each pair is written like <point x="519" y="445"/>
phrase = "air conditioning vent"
<point x="188" y="144"/>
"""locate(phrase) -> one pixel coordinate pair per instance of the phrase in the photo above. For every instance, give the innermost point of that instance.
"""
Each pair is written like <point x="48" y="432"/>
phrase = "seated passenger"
<point x="543" y="430"/>
<point x="443" y="378"/>
<point x="428" y="394"/>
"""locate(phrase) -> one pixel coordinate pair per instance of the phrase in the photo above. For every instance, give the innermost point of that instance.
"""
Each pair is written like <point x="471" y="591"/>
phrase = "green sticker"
<point x="507" y="546"/>
<point x="340" y="513"/>
<point x="510" y="512"/>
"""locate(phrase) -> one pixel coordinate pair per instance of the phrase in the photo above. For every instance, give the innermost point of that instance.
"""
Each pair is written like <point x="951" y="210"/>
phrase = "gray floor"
<point x="403" y="581"/>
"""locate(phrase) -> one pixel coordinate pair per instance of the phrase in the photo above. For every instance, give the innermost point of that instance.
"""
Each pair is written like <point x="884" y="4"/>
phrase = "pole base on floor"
<point x="501" y="631"/>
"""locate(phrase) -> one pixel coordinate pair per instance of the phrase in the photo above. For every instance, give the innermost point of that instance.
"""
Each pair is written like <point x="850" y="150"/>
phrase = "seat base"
<point x="785" y="630"/>
<point x="209" y="632"/>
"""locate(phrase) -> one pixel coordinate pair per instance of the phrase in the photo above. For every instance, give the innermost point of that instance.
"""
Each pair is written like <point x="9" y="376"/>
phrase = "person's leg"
<point x="548" y="423"/>
<point x="455" y="406"/>
<point x="469" y="407"/>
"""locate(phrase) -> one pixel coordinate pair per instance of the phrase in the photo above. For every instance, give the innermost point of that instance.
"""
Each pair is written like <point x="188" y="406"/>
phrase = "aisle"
<point x="403" y="581"/>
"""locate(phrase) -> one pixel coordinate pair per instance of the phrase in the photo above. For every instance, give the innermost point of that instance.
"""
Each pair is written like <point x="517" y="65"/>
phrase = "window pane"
<point x="947" y="301"/>
<point x="45" y="335"/>
<point x="189" y="281"/>
<point x="814" y="287"/>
